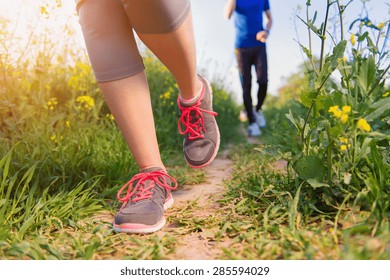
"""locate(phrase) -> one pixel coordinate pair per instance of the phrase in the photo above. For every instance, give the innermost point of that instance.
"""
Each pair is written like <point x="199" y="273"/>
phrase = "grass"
<point x="265" y="217"/>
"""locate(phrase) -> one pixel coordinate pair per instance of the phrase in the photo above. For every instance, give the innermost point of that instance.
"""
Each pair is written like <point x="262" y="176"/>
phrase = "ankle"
<point x="152" y="166"/>
<point x="192" y="95"/>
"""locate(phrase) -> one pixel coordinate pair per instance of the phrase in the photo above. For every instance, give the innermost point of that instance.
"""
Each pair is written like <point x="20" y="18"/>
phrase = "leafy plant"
<point x="345" y="131"/>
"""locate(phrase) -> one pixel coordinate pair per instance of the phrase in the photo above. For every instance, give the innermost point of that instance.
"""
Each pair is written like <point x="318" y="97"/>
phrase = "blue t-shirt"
<point x="248" y="20"/>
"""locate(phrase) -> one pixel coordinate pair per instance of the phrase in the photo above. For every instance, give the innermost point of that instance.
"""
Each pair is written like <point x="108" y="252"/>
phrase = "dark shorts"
<point x="108" y="27"/>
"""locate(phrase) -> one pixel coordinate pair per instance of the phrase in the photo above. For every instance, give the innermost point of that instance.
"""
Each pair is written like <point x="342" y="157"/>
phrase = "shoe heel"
<point x="207" y="84"/>
<point x="209" y="87"/>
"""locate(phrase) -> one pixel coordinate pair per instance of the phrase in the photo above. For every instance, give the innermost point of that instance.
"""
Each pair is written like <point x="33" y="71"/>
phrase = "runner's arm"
<point x="268" y="26"/>
<point x="262" y="35"/>
<point x="229" y="8"/>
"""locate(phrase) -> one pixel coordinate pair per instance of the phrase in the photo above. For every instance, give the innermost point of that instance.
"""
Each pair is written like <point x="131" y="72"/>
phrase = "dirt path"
<point x="196" y="245"/>
<point x="198" y="203"/>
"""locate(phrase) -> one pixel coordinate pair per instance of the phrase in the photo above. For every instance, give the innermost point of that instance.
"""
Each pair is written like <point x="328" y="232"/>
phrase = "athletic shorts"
<point x="108" y="27"/>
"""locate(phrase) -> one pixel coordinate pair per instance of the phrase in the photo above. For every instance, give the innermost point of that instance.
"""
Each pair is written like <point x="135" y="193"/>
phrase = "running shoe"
<point x="146" y="197"/>
<point x="198" y="125"/>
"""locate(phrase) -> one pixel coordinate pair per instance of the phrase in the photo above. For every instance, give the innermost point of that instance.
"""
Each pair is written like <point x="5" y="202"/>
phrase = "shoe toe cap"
<point x="199" y="152"/>
<point x="139" y="215"/>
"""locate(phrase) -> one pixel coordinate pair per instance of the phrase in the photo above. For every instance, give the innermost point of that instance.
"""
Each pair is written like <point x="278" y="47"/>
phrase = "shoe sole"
<point x="254" y="135"/>
<point x="141" y="228"/>
<point x="218" y="138"/>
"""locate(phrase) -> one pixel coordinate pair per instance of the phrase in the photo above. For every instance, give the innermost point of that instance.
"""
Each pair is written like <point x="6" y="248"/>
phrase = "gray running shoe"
<point x="148" y="194"/>
<point x="198" y="125"/>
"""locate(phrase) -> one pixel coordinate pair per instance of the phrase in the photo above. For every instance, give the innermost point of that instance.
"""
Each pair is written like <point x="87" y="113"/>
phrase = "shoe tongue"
<point x="158" y="188"/>
<point x="152" y="169"/>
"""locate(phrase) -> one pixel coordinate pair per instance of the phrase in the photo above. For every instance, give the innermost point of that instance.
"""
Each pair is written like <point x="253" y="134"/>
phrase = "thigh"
<point x="109" y="39"/>
<point x="244" y="61"/>
<point x="261" y="65"/>
<point x="156" y="16"/>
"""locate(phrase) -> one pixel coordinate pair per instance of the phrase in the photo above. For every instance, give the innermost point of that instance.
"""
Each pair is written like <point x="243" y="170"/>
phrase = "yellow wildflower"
<point x="337" y="114"/>
<point x="343" y="140"/>
<point x="44" y="10"/>
<point x="87" y="102"/>
<point x="386" y="94"/>
<point x="67" y="123"/>
<point x="346" y="109"/>
<point x="342" y="59"/>
<point x="110" y="117"/>
<point x="353" y="41"/>
<point x="343" y="147"/>
<point x="344" y="118"/>
<point x="167" y="95"/>
<point x="340" y="114"/>
<point x="52" y="103"/>
<point x="53" y="138"/>
<point x="380" y="25"/>
<point x="333" y="109"/>
<point x="336" y="111"/>
<point x="363" y="125"/>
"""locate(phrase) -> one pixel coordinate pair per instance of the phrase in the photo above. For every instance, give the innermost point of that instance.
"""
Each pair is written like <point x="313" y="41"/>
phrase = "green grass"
<point x="264" y="218"/>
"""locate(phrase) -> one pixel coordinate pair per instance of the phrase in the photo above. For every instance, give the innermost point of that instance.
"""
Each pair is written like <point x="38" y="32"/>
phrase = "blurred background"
<point x="214" y="34"/>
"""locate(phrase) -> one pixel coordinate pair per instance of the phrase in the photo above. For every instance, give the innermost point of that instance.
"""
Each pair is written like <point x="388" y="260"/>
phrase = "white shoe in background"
<point x="259" y="117"/>
<point x="254" y="130"/>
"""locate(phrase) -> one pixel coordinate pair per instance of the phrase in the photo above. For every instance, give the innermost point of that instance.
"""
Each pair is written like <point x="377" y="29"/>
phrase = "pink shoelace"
<point x="192" y="119"/>
<point x="140" y="191"/>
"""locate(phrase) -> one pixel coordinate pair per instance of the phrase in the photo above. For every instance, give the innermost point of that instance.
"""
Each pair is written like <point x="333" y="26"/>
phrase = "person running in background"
<point x="250" y="49"/>
<point x="165" y="27"/>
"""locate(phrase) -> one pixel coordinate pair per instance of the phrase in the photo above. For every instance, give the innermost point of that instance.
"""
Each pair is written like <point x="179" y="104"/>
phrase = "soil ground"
<point x="196" y="245"/>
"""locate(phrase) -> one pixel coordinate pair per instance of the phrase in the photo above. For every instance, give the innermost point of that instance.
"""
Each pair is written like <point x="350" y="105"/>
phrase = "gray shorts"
<point x="108" y="26"/>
